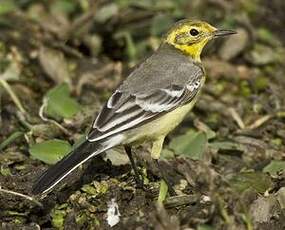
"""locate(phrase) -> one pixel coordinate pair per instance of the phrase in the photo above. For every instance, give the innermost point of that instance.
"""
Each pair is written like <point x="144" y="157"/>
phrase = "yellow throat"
<point x="190" y="37"/>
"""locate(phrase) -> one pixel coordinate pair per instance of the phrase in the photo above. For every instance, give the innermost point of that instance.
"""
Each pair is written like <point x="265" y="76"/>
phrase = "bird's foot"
<point x="165" y="178"/>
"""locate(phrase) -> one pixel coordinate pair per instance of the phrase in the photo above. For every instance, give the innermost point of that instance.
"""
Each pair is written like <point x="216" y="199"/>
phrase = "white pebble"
<point x="113" y="214"/>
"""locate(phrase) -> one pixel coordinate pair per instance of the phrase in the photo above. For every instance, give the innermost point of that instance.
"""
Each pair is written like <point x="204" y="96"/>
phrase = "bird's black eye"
<point x="194" y="32"/>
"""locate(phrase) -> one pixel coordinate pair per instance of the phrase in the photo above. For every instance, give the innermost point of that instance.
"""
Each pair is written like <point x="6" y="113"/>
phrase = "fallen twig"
<point x="13" y="96"/>
<point x="42" y="116"/>
<point x="23" y="120"/>
<point x="236" y="117"/>
<point x="22" y="195"/>
<point x="223" y="211"/>
<point x="10" y="139"/>
<point x="259" y="122"/>
<point x="176" y="201"/>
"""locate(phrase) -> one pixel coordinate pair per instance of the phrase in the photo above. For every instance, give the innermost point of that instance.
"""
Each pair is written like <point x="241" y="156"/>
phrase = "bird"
<point x="153" y="100"/>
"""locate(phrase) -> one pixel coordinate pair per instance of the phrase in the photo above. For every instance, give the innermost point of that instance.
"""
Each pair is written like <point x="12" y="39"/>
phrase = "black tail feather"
<point x="60" y="170"/>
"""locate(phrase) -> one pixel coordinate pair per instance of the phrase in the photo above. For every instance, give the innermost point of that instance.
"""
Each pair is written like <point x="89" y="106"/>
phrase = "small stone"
<point x="262" y="209"/>
<point x="205" y="199"/>
<point x="262" y="55"/>
<point x="113" y="214"/>
<point x="117" y="156"/>
<point x="281" y="197"/>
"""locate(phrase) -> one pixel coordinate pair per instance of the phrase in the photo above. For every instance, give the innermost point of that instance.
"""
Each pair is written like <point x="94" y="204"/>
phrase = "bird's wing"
<point x="165" y="81"/>
<point x="124" y="111"/>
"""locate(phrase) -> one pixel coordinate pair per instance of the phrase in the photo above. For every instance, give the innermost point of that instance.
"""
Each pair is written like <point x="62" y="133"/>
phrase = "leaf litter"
<point x="72" y="55"/>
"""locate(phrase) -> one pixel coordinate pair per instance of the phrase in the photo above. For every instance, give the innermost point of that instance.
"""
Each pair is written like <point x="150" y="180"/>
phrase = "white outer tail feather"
<point x="111" y="142"/>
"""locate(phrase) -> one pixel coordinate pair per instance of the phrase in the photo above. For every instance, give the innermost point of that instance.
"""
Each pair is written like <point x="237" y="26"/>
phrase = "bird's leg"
<point x="155" y="154"/>
<point x="139" y="181"/>
<point x="164" y="177"/>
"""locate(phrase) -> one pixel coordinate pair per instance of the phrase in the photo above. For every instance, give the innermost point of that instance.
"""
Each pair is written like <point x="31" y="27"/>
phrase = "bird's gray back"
<point x="167" y="66"/>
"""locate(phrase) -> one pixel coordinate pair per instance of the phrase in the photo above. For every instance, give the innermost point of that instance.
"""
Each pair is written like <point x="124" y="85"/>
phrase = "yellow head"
<point x="190" y="36"/>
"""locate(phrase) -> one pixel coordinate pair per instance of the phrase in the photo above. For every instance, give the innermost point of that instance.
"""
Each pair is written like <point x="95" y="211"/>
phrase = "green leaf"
<point x="58" y="215"/>
<point x="106" y="12"/>
<point x="7" y="6"/>
<point x="89" y="189"/>
<point x="274" y="167"/>
<point x="50" y="151"/>
<point x="205" y="227"/>
<point x="60" y="104"/>
<point x="10" y="139"/>
<point x="167" y="154"/>
<point x="96" y="189"/>
<point x="227" y="145"/>
<point x="267" y="36"/>
<point x="162" y="191"/>
<point x="192" y="144"/>
<point x="5" y="171"/>
<point x="258" y="181"/>
<point x="65" y="6"/>
<point x="261" y="83"/>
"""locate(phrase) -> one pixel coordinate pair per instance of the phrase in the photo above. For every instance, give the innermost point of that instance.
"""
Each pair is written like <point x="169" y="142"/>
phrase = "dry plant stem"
<point x="41" y="115"/>
<point x="21" y="195"/>
<point x="236" y="117"/>
<point x="10" y="139"/>
<point x="65" y="48"/>
<point x="13" y="96"/>
<point x="23" y="121"/>
<point x="180" y="200"/>
<point x="260" y="122"/>
<point x="87" y="17"/>
<point x="247" y="222"/>
<point x="223" y="211"/>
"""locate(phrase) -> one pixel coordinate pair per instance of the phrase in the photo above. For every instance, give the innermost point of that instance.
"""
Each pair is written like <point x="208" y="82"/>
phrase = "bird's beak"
<point x="220" y="33"/>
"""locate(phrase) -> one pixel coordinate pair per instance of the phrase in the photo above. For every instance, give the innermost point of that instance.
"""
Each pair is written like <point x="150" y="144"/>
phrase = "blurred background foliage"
<point x="60" y="60"/>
